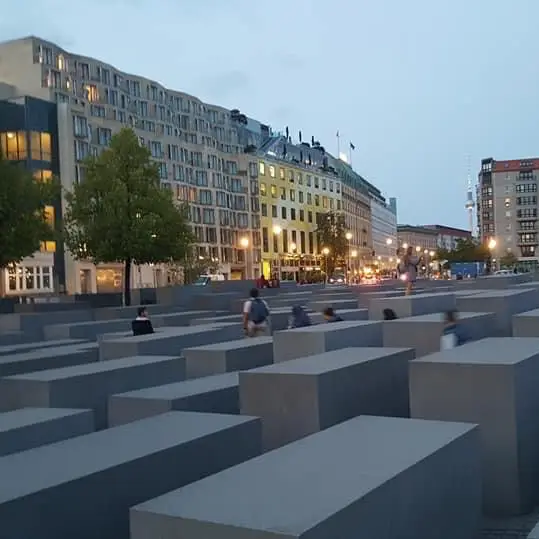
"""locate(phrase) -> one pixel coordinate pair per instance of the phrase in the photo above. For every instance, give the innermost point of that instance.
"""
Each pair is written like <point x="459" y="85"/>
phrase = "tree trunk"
<point x="127" y="282"/>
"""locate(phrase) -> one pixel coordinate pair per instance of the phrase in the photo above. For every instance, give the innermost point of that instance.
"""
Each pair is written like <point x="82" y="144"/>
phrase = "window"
<point x="272" y="171"/>
<point x="264" y="208"/>
<point x="316" y="184"/>
<point x="274" y="211"/>
<point x="103" y="136"/>
<point x="265" y="242"/>
<point x="49" y="215"/>
<point x="82" y="149"/>
<point x="300" y="195"/>
<point x="310" y="216"/>
<point x="80" y="126"/>
<point x="309" y="180"/>
<point x="302" y="215"/>
<point x="293" y="214"/>
<point x="292" y="195"/>
<point x="283" y="213"/>
<point x="283" y="193"/>
<point x="43" y="175"/>
<point x="29" y="278"/>
<point x="40" y="146"/>
<point x="262" y="168"/>
<point x="309" y="198"/>
<point x="275" y="243"/>
<point x="316" y="200"/>
<point x="263" y="189"/>
<point x="300" y="178"/>
<point x="14" y="145"/>
<point x="274" y="191"/>
<point x="291" y="176"/>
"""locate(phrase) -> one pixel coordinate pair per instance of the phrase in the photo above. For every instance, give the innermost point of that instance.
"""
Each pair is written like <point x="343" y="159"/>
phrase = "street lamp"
<point x="389" y="241"/>
<point x="492" y="245"/>
<point x="325" y="252"/>
<point x="277" y="231"/>
<point x="348" y="237"/>
<point x="244" y="244"/>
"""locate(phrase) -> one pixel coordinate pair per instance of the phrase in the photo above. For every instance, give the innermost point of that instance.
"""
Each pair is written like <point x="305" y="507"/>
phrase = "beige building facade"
<point x="196" y="145"/>
<point x="507" y="208"/>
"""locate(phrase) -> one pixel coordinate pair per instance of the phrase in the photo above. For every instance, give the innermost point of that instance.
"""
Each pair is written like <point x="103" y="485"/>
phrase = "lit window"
<point x="262" y="189"/>
<point x="48" y="246"/>
<point x="274" y="191"/>
<point x="281" y="173"/>
<point x="91" y="93"/>
<point x="272" y="171"/>
<point x="49" y="215"/>
<point x="262" y="168"/>
<point x="14" y="145"/>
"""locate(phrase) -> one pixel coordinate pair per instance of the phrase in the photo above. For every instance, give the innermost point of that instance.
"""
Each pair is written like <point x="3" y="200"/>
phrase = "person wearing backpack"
<point x="255" y="315"/>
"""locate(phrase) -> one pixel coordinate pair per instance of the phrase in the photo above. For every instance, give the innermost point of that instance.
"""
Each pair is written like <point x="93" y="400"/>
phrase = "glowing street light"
<point x="353" y="254"/>
<point x="244" y="242"/>
<point x="389" y="241"/>
<point x="492" y="244"/>
<point x="418" y="249"/>
<point x="432" y="253"/>
<point x="325" y="251"/>
<point x="348" y="236"/>
<point x="405" y="246"/>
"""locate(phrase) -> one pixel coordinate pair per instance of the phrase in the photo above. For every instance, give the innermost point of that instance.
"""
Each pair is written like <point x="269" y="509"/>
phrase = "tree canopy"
<point x="466" y="250"/>
<point x="331" y="234"/>
<point x="23" y="216"/>
<point x="120" y="213"/>
<point x="508" y="260"/>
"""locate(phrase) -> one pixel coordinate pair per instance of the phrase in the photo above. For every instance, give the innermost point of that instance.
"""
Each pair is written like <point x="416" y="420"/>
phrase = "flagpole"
<point x="350" y="153"/>
<point x="338" y="145"/>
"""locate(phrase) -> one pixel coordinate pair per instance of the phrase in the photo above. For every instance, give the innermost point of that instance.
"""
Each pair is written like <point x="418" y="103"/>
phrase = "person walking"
<point x="255" y="315"/>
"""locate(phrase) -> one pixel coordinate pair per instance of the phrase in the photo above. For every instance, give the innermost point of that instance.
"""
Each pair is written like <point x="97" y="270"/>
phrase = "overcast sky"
<point x="416" y="85"/>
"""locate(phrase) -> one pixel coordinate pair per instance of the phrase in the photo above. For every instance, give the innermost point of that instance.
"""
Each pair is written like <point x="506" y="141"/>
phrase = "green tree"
<point x="331" y="234"/>
<point x="23" y="216"/>
<point x="466" y="250"/>
<point x="508" y="260"/>
<point x="120" y="213"/>
<point x="193" y="266"/>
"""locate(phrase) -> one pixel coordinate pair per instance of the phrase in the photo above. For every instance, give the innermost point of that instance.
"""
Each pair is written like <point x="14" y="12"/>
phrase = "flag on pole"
<point x="338" y="134"/>
<point x="352" y="147"/>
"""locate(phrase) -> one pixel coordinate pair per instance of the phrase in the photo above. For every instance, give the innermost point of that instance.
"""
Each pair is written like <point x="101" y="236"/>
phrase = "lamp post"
<point x="348" y="237"/>
<point x="244" y="244"/>
<point x="492" y="246"/>
<point x="325" y="252"/>
<point x="276" y="233"/>
<point x="389" y="241"/>
<point x="353" y="254"/>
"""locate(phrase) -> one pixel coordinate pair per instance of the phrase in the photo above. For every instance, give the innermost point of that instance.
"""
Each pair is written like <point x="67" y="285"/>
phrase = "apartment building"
<point x="299" y="182"/>
<point x="28" y="136"/>
<point x="448" y="236"/>
<point x="199" y="148"/>
<point x="384" y="231"/>
<point x="507" y="207"/>
<point x="421" y="238"/>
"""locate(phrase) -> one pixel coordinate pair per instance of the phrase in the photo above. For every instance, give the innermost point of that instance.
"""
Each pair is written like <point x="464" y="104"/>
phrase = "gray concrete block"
<point x="88" y="386"/>
<point x="48" y="358"/>
<point x="492" y="383"/>
<point x="299" y="397"/>
<point x="534" y="534"/>
<point x="368" y="478"/>
<point x="32" y="323"/>
<point x="128" y="313"/>
<point x="415" y="305"/>
<point x="504" y="303"/>
<point x="27" y="428"/>
<point x="526" y="324"/>
<point x="301" y="342"/>
<point x="229" y="356"/>
<point x="422" y="333"/>
<point x="88" y="330"/>
<point x="36" y="345"/>
<point x="319" y="305"/>
<point x="217" y="394"/>
<point x="167" y="341"/>
<point x="84" y="487"/>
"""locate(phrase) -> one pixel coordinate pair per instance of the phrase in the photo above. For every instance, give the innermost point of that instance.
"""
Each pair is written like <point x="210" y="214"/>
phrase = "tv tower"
<point x="470" y="204"/>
